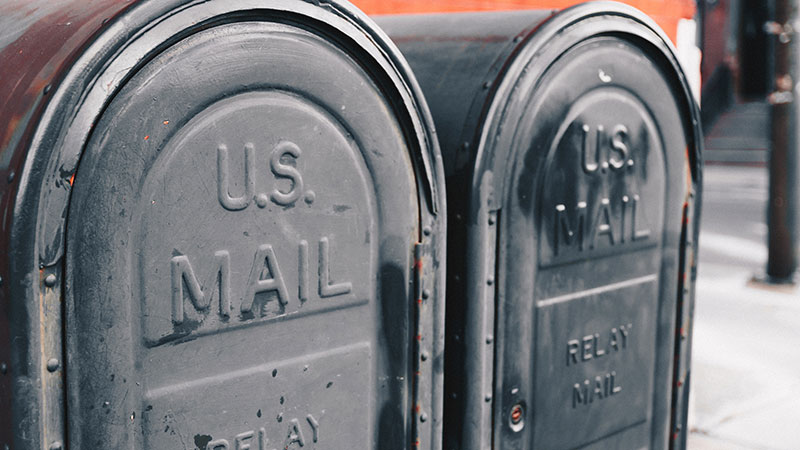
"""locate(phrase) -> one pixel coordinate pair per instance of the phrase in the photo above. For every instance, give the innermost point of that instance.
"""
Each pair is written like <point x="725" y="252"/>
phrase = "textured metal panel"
<point x="594" y="359"/>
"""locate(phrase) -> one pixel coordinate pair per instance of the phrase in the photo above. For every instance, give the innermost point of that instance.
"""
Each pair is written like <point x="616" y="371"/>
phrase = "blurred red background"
<point x="666" y="13"/>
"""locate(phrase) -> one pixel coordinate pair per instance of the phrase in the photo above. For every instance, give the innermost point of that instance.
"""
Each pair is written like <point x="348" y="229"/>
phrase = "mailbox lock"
<point x="516" y="417"/>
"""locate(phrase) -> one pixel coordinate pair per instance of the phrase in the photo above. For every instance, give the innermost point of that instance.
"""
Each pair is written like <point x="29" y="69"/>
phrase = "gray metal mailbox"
<point x="572" y="156"/>
<point x="223" y="229"/>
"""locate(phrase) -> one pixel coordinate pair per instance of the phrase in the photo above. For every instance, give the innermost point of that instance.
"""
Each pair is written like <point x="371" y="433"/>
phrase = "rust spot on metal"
<point x="516" y="414"/>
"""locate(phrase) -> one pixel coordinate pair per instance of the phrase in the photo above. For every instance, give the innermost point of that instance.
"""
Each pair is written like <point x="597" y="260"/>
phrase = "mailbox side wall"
<point x="459" y="84"/>
<point x="39" y="42"/>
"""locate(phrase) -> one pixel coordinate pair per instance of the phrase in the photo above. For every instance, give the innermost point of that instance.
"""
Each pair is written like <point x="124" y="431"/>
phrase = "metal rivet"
<point x="46" y="89"/>
<point x="423" y="417"/>
<point x="3" y="368"/>
<point x="52" y="365"/>
<point x="1" y="281"/>
<point x="426" y="293"/>
<point x="56" y="446"/>
<point x="50" y="280"/>
<point x="491" y="220"/>
<point x="488" y="398"/>
<point x="426" y="231"/>
<point x="489" y="339"/>
<point x="487" y="85"/>
<point x="490" y="281"/>
<point x="423" y="356"/>
<point x="11" y="176"/>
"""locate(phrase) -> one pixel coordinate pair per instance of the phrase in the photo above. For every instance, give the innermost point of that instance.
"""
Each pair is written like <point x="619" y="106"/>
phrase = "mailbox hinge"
<point x="683" y="328"/>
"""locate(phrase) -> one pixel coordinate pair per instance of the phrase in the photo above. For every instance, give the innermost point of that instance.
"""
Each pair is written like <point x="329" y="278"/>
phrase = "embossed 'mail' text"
<point x="611" y="221"/>
<point x="264" y="292"/>
<point x="592" y="347"/>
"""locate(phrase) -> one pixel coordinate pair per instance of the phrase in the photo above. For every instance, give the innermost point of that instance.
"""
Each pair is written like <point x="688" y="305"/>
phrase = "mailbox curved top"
<point x="51" y="54"/>
<point x="487" y="69"/>
<point x="529" y="59"/>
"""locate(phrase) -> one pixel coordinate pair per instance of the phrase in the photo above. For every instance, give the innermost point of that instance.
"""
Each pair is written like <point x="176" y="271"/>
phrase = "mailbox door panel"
<point x="240" y="251"/>
<point x="589" y="253"/>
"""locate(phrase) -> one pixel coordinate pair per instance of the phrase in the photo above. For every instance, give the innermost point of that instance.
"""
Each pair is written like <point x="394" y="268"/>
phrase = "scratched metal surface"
<point x="254" y="253"/>
<point x="38" y="43"/>
<point x="571" y="149"/>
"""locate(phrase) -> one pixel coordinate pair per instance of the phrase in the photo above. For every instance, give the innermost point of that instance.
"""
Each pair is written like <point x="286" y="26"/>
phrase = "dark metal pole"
<point x="783" y="186"/>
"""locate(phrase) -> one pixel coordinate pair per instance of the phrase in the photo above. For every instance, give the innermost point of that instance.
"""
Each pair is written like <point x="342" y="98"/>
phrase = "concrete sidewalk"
<point x="740" y="136"/>
<point x="746" y="349"/>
